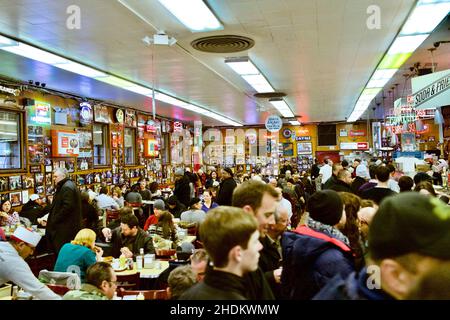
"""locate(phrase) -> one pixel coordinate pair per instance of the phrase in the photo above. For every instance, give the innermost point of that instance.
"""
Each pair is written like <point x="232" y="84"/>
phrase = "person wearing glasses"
<point x="101" y="284"/>
<point x="13" y="267"/>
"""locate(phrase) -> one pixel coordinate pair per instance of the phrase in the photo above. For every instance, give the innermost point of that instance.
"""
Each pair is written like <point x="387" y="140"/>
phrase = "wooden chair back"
<point x="128" y="282"/>
<point x="148" y="294"/>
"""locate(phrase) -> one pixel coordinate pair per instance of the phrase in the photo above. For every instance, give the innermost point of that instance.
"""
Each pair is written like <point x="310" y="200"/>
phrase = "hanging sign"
<point x="431" y="90"/>
<point x="273" y="123"/>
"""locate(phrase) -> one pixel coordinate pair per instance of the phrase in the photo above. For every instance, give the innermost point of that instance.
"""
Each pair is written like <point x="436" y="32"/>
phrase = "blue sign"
<point x="304" y="138"/>
<point x="408" y="154"/>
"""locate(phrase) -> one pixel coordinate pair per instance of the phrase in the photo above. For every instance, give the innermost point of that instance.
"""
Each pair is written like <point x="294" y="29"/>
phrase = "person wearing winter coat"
<point x="317" y="251"/>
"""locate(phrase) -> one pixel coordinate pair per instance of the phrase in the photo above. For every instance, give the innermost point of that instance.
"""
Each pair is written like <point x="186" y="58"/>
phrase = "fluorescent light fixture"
<point x="282" y="107"/>
<point x="426" y="17"/>
<point x="394" y="61"/>
<point x="140" y="90"/>
<point x="193" y="108"/>
<point x="295" y="123"/>
<point x="8" y="123"/>
<point x="407" y="44"/>
<point x="194" y="14"/>
<point x="259" y="83"/>
<point x="383" y="74"/>
<point x="247" y="70"/>
<point x="30" y="52"/>
<point x="377" y="83"/>
<point x="4" y="41"/>
<point x="245" y="67"/>
<point x="81" y="69"/>
<point x="34" y="53"/>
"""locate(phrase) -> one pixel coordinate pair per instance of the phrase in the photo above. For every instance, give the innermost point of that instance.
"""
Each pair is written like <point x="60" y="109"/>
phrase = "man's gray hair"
<point x="62" y="171"/>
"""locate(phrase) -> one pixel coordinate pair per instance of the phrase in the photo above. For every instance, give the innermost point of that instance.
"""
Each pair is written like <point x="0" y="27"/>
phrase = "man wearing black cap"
<point x="409" y="236"/>
<point x="175" y="206"/>
<point x="314" y="253"/>
<point x="227" y="187"/>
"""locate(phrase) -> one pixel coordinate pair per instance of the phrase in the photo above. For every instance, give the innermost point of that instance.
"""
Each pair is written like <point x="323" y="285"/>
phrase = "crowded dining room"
<point x="252" y="150"/>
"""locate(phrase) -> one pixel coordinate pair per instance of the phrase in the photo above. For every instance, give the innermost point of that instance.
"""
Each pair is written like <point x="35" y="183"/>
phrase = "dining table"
<point x="159" y="266"/>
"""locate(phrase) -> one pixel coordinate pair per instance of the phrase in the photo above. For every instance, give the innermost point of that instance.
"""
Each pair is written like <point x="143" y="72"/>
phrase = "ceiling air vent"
<point x="269" y="95"/>
<point x="223" y="44"/>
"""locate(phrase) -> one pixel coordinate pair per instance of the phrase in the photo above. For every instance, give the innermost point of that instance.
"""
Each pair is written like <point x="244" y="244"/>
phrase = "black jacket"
<point x="225" y="193"/>
<point x="141" y="240"/>
<point x="270" y="260"/>
<point x="217" y="285"/>
<point x="64" y="219"/>
<point x="341" y="186"/>
<point x="330" y="183"/>
<point x="257" y="286"/>
<point x="177" y="210"/>
<point x="183" y="190"/>
<point x="32" y="211"/>
<point x="89" y="216"/>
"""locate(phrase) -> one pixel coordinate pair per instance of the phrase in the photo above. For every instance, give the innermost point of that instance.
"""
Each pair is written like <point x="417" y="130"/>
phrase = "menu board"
<point x="65" y="143"/>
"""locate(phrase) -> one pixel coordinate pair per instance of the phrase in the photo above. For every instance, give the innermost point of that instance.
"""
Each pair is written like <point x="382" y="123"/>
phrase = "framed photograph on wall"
<point x="39" y="179"/>
<point x="15" y="198"/>
<point x="4" y="184"/>
<point x="27" y="182"/>
<point x="304" y="148"/>
<point x="15" y="183"/>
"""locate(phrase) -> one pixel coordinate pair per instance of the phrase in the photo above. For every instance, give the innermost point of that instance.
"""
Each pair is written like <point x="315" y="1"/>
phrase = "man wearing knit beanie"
<point x="316" y="251"/>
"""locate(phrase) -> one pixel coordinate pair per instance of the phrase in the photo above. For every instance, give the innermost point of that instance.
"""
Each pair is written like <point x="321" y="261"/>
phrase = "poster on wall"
<point x="65" y="143"/>
<point x="15" y="183"/>
<point x="408" y="141"/>
<point x="130" y="118"/>
<point x="3" y="184"/>
<point x="101" y="114"/>
<point x="288" y="149"/>
<point x="39" y="114"/>
<point x="85" y="147"/>
<point x="304" y="147"/>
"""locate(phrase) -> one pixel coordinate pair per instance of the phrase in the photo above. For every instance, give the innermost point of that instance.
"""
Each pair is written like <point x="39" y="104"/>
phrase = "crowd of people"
<point x="321" y="234"/>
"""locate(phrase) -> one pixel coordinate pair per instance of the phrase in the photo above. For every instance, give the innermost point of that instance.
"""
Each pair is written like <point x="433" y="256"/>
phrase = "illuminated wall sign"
<point x="14" y="92"/>
<point x="150" y="148"/>
<point x="86" y="115"/>
<point x="303" y="138"/>
<point x="303" y="132"/>
<point x="40" y="113"/>
<point x="357" y="133"/>
<point x="65" y="143"/>
<point x="287" y="133"/>
<point x="354" y="146"/>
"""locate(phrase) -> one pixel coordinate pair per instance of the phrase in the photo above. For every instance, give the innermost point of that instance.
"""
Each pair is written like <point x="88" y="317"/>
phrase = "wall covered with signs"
<point x="97" y="144"/>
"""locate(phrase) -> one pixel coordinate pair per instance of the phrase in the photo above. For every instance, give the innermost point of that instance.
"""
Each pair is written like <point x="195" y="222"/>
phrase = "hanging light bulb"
<point x="438" y="118"/>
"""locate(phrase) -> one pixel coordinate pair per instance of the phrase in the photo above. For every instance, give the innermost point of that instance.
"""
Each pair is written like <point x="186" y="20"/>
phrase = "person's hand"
<point x="277" y="275"/>
<point x="4" y="214"/>
<point x="126" y="252"/>
<point x="98" y="252"/>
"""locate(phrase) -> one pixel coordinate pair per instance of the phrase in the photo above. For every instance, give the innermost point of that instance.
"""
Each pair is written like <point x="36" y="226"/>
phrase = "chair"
<point x="41" y="262"/>
<point x="58" y="289"/>
<point x="148" y="294"/>
<point x="70" y="280"/>
<point x="111" y="215"/>
<point x="129" y="282"/>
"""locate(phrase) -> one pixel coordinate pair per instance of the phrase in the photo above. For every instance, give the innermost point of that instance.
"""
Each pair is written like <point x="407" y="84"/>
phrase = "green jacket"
<point x="87" y="292"/>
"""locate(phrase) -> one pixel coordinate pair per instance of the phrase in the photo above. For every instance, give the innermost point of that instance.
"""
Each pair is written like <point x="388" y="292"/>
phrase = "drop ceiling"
<point x="319" y="52"/>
